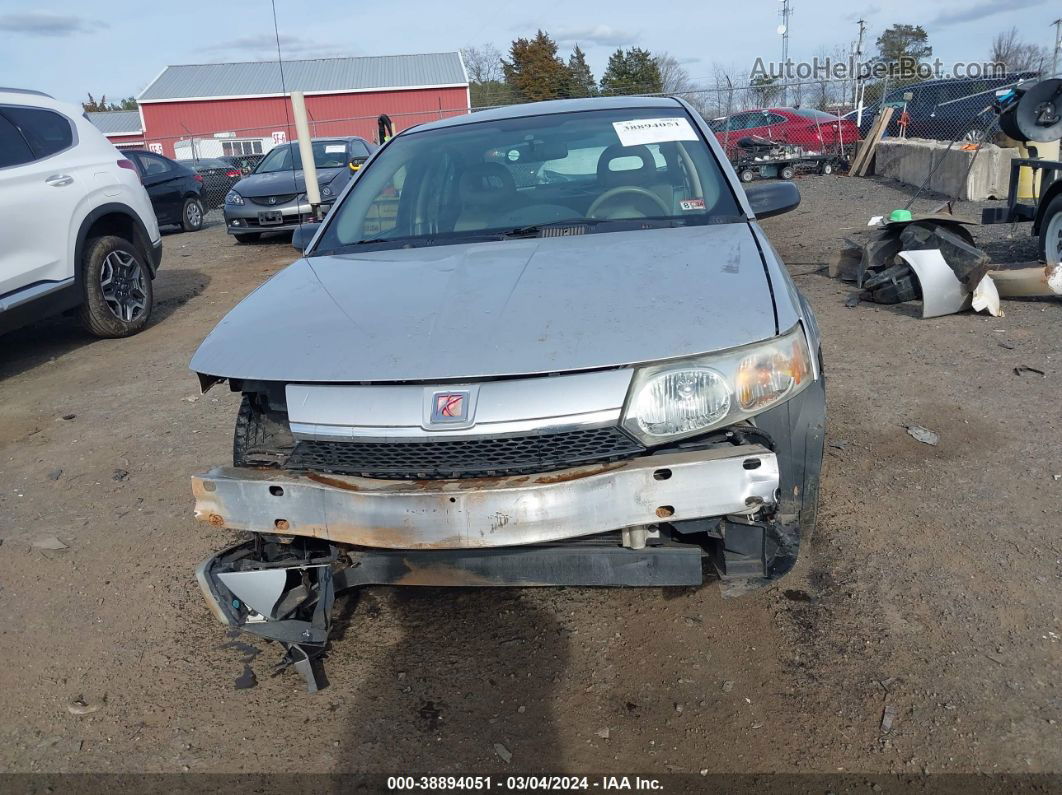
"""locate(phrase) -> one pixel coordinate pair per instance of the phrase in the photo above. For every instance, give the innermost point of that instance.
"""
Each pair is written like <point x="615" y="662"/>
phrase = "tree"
<point x="93" y="105"/>
<point x="534" y="72"/>
<point x="583" y="83"/>
<point x="904" y="47"/>
<point x="763" y="90"/>
<point x="483" y="64"/>
<point x="674" y="79"/>
<point x="632" y="71"/>
<point x="485" y="76"/>
<point x="1016" y="55"/>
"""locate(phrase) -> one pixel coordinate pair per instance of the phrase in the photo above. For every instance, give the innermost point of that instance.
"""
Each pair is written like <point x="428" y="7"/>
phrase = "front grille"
<point x="464" y="458"/>
<point x="277" y="200"/>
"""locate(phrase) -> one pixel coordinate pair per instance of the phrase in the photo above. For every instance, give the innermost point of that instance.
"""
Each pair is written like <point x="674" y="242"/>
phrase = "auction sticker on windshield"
<point x="329" y="148"/>
<point x="654" y="131"/>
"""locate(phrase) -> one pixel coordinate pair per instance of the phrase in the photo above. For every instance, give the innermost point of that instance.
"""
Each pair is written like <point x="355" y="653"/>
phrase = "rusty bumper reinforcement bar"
<point x="490" y="512"/>
<point x="264" y="589"/>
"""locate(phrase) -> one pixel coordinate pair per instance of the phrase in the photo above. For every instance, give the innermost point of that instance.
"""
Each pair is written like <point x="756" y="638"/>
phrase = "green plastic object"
<point x="900" y="215"/>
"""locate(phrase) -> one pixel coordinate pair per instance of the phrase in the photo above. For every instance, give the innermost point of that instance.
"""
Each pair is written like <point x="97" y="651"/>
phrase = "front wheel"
<point x="118" y="294"/>
<point x="747" y="175"/>
<point x="826" y="168"/>
<point x="192" y="215"/>
<point x="1051" y="232"/>
<point x="786" y="173"/>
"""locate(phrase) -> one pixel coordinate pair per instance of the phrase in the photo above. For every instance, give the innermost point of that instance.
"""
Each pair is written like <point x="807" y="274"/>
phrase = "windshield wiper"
<point x="580" y="226"/>
<point x="534" y="230"/>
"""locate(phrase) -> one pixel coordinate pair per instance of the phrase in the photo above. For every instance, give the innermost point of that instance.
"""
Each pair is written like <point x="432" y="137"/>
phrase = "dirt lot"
<point x="931" y="586"/>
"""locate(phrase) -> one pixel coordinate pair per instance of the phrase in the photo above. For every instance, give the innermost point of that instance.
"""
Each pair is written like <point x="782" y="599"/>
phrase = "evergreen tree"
<point x="632" y="71"/>
<point x="534" y="72"/>
<point x="583" y="83"/>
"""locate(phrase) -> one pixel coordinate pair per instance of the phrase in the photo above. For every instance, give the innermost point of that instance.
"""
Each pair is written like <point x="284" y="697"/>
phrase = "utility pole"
<point x="784" y="30"/>
<point x="1058" y="46"/>
<point x="858" y="59"/>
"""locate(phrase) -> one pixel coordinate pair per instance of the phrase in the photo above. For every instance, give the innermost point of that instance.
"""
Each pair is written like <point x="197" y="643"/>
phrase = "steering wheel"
<point x="610" y="194"/>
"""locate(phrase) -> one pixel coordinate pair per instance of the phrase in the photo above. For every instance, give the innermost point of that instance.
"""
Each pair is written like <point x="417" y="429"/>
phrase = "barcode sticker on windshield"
<point x="654" y="131"/>
<point x="335" y="148"/>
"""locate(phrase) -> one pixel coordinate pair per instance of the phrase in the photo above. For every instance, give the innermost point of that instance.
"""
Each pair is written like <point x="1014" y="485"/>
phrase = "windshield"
<point x="326" y="154"/>
<point x="593" y="171"/>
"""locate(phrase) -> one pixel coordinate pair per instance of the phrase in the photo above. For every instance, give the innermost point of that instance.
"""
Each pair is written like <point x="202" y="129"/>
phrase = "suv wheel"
<point x="248" y="237"/>
<point x="192" y="215"/>
<point x="118" y="291"/>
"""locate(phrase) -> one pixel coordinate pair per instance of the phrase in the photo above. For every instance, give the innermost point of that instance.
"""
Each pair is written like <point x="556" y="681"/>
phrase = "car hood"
<point x="280" y="182"/>
<point x="511" y="307"/>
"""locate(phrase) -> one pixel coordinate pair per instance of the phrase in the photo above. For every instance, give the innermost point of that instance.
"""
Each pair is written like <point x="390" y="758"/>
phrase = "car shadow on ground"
<point x="48" y="339"/>
<point x="466" y="684"/>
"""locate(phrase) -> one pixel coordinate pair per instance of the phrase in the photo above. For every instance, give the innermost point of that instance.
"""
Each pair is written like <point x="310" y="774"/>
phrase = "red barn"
<point x="208" y="110"/>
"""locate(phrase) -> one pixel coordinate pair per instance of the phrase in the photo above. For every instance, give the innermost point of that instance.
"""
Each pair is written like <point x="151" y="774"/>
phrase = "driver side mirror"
<point x="772" y="198"/>
<point x="356" y="163"/>
<point x="302" y="236"/>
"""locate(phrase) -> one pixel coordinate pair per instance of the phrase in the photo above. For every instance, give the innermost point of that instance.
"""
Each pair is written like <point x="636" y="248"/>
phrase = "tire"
<point x="747" y="175"/>
<point x="826" y="168"/>
<point x="786" y="173"/>
<point x="248" y="237"/>
<point x="1051" y="232"/>
<point x="118" y="293"/>
<point x="192" y="215"/>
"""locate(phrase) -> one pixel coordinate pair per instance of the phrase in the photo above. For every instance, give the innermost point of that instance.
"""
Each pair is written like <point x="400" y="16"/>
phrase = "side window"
<point x="13" y="148"/>
<point x="154" y="165"/>
<point x="46" y="131"/>
<point x="775" y="118"/>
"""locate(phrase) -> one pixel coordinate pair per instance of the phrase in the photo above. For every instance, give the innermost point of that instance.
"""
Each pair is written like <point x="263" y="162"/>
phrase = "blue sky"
<point x="116" y="48"/>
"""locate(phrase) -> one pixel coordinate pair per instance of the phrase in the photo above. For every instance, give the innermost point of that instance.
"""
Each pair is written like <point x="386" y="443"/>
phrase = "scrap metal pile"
<point x="932" y="258"/>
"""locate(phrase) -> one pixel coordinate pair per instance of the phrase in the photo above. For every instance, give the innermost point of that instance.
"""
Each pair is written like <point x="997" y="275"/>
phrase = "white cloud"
<point x="605" y="35"/>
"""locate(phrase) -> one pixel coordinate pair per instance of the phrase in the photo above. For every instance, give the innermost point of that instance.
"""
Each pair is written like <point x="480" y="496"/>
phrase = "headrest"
<point x="486" y="182"/>
<point x="644" y="173"/>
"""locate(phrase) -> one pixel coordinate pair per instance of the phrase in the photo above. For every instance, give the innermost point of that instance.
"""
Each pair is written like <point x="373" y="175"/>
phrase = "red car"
<point x="814" y="130"/>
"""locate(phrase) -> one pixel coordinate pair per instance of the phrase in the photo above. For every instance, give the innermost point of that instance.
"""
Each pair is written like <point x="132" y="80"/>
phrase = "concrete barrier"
<point x="909" y="160"/>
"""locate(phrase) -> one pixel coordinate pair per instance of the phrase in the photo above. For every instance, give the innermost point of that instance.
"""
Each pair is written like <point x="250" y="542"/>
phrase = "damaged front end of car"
<point x="577" y="495"/>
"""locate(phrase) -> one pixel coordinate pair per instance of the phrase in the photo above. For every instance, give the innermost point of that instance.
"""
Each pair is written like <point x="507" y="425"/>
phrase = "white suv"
<point x="76" y="224"/>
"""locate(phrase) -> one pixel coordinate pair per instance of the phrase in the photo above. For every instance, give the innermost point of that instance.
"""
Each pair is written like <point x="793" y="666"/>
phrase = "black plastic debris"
<point x="894" y="285"/>
<point x="871" y="257"/>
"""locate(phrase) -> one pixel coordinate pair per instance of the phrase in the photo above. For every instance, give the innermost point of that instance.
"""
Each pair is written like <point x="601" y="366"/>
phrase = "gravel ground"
<point x="929" y="591"/>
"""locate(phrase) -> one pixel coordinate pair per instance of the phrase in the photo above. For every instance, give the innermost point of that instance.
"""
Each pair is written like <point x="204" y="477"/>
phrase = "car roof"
<point x="1013" y="76"/>
<point x="548" y="107"/>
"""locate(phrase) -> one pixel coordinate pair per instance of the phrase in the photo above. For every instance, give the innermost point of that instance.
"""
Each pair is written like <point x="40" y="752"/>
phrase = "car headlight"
<point x="233" y="198"/>
<point x="684" y="398"/>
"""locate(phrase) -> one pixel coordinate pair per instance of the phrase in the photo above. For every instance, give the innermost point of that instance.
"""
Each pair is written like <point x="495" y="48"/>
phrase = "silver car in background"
<point x="273" y="197"/>
<point x="544" y="344"/>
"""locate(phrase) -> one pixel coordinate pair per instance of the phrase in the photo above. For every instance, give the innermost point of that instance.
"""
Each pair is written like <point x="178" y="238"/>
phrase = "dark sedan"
<point x="176" y="191"/>
<point x="218" y="178"/>
<point x="273" y="198"/>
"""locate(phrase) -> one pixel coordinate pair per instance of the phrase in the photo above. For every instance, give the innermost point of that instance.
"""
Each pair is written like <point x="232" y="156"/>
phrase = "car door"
<point x="40" y="188"/>
<point x="162" y="179"/>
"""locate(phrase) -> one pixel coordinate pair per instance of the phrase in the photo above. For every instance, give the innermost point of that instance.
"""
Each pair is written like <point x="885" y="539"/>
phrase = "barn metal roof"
<point x="321" y="75"/>
<point x="115" y="122"/>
